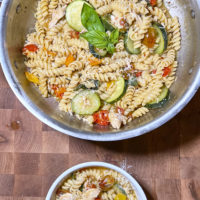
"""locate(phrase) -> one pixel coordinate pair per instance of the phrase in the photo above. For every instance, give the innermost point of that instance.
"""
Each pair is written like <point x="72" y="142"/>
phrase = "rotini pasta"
<point x="116" y="67"/>
<point x="93" y="183"/>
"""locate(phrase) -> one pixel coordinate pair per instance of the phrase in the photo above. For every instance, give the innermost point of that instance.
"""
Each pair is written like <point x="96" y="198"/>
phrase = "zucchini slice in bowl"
<point x="73" y="15"/>
<point x="94" y="85"/>
<point x="97" y="53"/>
<point x="86" y="102"/>
<point x="119" y="189"/>
<point x="129" y="45"/>
<point x="161" y="100"/>
<point x="162" y="34"/>
<point x="119" y="92"/>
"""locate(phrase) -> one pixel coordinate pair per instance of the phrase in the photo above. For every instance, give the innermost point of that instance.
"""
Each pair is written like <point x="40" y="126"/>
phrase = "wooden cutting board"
<point x="166" y="162"/>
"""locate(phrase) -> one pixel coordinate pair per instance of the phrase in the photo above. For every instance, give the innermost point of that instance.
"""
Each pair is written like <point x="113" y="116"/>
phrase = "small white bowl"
<point x="59" y="181"/>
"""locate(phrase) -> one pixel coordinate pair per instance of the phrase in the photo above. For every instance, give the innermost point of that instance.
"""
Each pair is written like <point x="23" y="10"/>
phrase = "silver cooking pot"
<point x="17" y="19"/>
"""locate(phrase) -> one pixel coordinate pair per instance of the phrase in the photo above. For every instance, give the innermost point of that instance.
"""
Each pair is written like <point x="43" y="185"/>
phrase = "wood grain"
<point x="166" y="161"/>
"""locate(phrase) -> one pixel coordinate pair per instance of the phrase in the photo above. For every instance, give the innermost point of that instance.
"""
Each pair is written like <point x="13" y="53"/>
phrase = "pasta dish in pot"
<point x="105" y="61"/>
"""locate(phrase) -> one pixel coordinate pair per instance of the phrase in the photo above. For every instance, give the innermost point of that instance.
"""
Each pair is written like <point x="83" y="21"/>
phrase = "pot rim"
<point x="86" y="135"/>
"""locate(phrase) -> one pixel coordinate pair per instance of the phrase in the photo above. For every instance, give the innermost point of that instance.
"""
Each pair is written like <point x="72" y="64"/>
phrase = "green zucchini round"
<point x="121" y="86"/>
<point x="119" y="189"/>
<point x="73" y="14"/>
<point x="86" y="102"/>
<point x="97" y="53"/>
<point x="162" y="34"/>
<point x="161" y="100"/>
<point x="129" y="46"/>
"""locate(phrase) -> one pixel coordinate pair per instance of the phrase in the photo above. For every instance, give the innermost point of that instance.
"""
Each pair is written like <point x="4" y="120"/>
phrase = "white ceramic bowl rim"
<point x="134" y="183"/>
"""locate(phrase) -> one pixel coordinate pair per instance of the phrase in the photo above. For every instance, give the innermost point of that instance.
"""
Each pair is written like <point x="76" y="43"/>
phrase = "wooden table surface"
<point x="166" y="162"/>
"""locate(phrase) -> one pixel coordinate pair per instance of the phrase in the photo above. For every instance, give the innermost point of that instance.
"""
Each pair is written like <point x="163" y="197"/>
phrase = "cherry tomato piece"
<point x="59" y="92"/>
<point x="166" y="71"/>
<point x="107" y="182"/>
<point x="138" y="74"/>
<point x="101" y="118"/>
<point x="30" y="47"/>
<point x="150" y="38"/>
<point x="153" y="2"/>
<point x="74" y="34"/>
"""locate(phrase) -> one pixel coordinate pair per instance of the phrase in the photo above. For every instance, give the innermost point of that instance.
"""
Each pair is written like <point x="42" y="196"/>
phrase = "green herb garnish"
<point x="90" y="19"/>
<point x="96" y="34"/>
<point x="97" y="38"/>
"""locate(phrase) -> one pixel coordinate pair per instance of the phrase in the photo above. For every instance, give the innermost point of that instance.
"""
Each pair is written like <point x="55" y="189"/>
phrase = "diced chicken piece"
<point x="67" y="196"/>
<point x="90" y="194"/>
<point x="57" y="15"/>
<point x="115" y="120"/>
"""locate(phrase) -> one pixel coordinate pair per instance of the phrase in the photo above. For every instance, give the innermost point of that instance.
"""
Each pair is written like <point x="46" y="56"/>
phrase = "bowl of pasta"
<point x="101" y="70"/>
<point x="95" y="181"/>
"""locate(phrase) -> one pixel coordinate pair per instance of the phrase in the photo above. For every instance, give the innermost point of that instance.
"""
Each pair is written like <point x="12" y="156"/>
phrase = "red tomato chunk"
<point x="30" y="47"/>
<point x="166" y="71"/>
<point x="101" y="118"/>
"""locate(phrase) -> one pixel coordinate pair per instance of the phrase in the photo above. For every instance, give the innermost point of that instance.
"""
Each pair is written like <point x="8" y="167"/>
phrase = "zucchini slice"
<point x="119" y="92"/>
<point x="161" y="100"/>
<point x="80" y="86"/>
<point x="162" y="34"/>
<point x="86" y="102"/>
<point x="119" y="189"/>
<point x="94" y="85"/>
<point x="129" y="46"/>
<point x="73" y="15"/>
<point x="97" y="53"/>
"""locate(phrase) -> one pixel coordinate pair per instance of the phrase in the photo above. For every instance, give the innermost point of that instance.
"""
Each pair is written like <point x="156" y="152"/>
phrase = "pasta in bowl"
<point x="106" y="62"/>
<point x="95" y="180"/>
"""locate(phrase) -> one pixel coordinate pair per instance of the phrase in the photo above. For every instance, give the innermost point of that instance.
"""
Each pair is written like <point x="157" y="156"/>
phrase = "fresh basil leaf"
<point x="110" y="48"/>
<point x="114" y="36"/>
<point x="97" y="38"/>
<point x="90" y="19"/>
<point x="94" y="35"/>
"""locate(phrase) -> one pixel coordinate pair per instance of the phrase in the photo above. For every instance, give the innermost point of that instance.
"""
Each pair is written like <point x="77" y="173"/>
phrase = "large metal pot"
<point x="17" y="19"/>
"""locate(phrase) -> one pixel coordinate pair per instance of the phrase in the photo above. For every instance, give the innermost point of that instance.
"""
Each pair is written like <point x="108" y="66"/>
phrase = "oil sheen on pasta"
<point x="96" y="184"/>
<point x="61" y="64"/>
